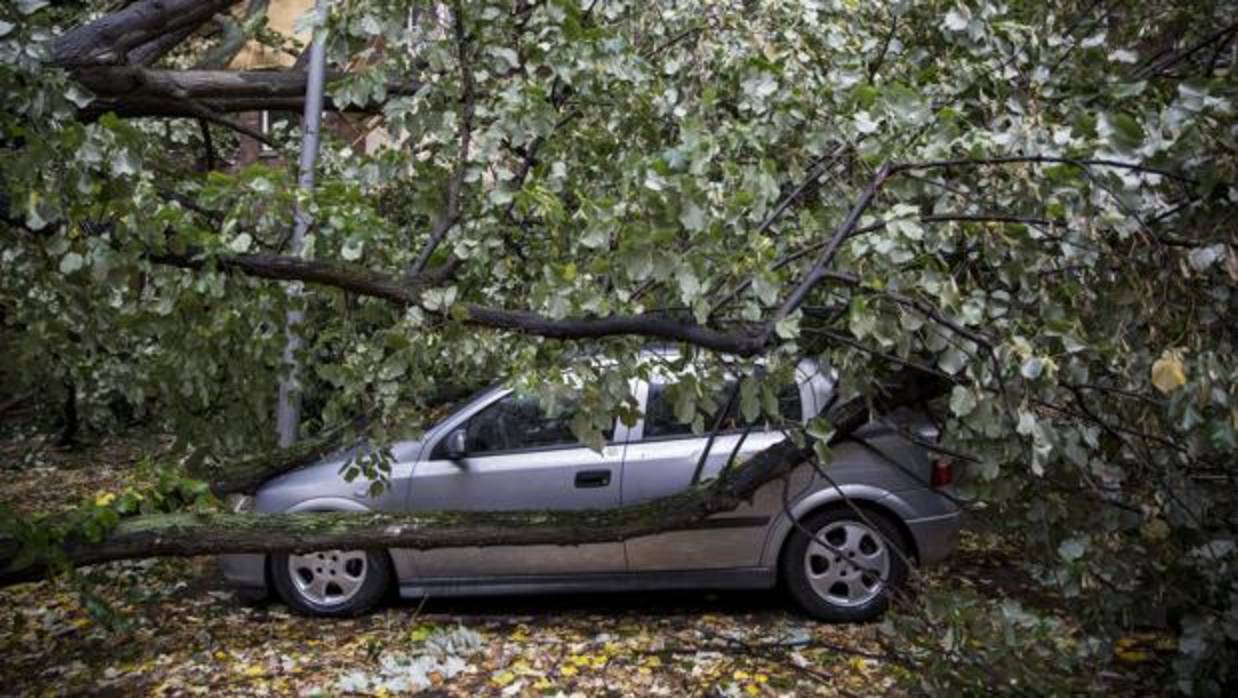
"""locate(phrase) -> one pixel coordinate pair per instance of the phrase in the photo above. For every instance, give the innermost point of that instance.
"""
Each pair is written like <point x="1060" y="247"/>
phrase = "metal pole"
<point x="288" y="412"/>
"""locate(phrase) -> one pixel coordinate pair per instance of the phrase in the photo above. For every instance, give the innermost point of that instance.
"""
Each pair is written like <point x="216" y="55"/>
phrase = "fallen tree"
<point x="188" y="534"/>
<point x="1025" y="200"/>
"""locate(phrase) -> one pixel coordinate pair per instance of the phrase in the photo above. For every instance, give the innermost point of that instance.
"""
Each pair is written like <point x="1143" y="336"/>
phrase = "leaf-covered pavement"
<point x="184" y="633"/>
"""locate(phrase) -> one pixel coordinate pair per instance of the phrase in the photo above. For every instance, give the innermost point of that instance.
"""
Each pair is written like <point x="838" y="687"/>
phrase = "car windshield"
<point x="457" y="405"/>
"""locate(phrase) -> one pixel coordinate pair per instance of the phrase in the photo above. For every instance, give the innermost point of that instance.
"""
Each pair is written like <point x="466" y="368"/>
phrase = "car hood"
<point x="323" y="481"/>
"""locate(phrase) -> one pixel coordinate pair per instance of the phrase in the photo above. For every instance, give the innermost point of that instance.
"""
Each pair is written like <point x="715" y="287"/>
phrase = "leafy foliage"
<point x="1055" y="237"/>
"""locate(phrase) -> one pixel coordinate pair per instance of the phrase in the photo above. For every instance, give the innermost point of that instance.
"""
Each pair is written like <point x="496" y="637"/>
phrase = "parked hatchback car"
<point x="840" y="544"/>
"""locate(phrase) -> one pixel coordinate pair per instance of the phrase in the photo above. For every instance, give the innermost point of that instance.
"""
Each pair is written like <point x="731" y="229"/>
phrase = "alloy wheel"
<point x="847" y="563"/>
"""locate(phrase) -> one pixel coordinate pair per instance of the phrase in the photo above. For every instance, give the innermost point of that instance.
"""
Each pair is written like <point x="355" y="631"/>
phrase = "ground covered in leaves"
<point x="170" y="627"/>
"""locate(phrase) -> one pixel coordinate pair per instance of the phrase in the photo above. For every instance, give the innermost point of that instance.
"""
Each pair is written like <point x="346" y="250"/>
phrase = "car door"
<point x="662" y="457"/>
<point x="518" y="455"/>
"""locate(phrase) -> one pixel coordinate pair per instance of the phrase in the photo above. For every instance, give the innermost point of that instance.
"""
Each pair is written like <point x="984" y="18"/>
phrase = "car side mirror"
<point x="454" y="446"/>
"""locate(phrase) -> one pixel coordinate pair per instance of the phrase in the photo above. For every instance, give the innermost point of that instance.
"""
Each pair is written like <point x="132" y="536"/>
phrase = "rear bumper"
<point x="246" y="570"/>
<point x="936" y="536"/>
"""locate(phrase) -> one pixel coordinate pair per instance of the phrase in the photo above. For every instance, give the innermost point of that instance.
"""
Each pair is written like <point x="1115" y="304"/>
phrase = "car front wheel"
<point x="332" y="582"/>
<point x="848" y="568"/>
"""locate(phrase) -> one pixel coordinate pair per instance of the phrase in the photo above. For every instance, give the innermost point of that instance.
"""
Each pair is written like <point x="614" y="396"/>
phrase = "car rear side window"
<point x="661" y="423"/>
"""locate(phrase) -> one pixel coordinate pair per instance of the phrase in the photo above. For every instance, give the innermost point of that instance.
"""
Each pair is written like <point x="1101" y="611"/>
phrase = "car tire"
<point x="822" y="575"/>
<point x="332" y="583"/>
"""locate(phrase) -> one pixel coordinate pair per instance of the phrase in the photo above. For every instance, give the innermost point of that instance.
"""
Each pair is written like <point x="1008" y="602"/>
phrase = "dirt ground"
<point x="170" y="627"/>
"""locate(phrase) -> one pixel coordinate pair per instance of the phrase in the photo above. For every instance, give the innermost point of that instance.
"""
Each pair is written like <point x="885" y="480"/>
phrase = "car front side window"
<point x="519" y="422"/>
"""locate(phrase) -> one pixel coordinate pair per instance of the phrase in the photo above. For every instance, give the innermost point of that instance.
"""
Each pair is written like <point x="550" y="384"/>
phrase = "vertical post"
<point x="288" y="411"/>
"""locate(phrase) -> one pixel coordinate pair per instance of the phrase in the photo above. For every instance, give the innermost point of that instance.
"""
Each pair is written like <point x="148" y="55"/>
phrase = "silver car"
<point x="840" y="539"/>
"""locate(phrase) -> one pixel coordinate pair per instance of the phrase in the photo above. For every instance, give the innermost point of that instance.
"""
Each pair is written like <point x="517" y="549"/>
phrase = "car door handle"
<point x="593" y="478"/>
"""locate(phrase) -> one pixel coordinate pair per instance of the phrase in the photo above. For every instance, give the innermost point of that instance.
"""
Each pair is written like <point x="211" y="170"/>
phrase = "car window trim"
<point x="536" y="449"/>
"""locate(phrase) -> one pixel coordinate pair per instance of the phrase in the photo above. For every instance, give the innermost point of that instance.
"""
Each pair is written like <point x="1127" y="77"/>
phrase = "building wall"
<point x="282" y="16"/>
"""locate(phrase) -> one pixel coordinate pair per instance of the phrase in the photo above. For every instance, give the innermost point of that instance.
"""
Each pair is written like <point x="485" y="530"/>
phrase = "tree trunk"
<point x="185" y="534"/>
<point x="288" y="408"/>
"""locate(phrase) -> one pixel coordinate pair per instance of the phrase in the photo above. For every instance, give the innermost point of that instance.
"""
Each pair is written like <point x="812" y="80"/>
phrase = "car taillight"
<point x="943" y="472"/>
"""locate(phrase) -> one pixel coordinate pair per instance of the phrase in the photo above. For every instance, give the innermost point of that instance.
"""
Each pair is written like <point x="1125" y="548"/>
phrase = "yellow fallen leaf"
<point x="502" y="678"/>
<point x="103" y="499"/>
<point x="751" y="689"/>
<point x="1168" y="372"/>
<point x="542" y="684"/>
<point x="568" y="670"/>
<point x="1134" y="656"/>
<point x="420" y="633"/>
<point x="740" y="676"/>
<point x="254" y="670"/>
<point x="1156" y="529"/>
<point x="521" y="667"/>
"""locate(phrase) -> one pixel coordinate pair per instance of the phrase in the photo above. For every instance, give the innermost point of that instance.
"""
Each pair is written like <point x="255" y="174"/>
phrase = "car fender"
<point x="327" y="504"/>
<point x="830" y="494"/>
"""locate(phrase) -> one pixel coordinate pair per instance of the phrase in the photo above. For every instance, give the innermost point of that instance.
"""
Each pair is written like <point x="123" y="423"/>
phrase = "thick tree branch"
<point x="678" y="328"/>
<point x="132" y="91"/>
<point x="109" y="39"/>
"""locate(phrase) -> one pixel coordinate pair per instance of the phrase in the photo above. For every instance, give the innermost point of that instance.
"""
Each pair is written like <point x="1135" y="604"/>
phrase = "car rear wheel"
<point x="332" y="582"/>
<point x="848" y="568"/>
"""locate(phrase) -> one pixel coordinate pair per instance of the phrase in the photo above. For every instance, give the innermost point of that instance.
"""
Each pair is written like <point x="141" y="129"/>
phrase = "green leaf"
<point x="1032" y="368"/>
<point x="788" y="327"/>
<point x="352" y="249"/>
<point x="240" y="244"/>
<point x="820" y="429"/>
<point x="71" y="263"/>
<point x="692" y="217"/>
<point x="1072" y="549"/>
<point x="962" y="401"/>
<point x="956" y="20"/>
<point x="749" y="399"/>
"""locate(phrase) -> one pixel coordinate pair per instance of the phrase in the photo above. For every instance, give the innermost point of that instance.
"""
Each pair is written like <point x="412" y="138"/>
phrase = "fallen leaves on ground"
<point x="184" y="633"/>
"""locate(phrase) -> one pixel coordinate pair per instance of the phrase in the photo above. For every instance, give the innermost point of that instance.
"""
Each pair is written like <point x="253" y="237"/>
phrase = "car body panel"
<point x="882" y="468"/>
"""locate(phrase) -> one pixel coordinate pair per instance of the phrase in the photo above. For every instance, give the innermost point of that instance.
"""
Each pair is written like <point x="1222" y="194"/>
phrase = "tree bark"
<point x="288" y="407"/>
<point x="134" y="91"/>
<point x="364" y="282"/>
<point x="111" y="38"/>
<point x="185" y="534"/>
